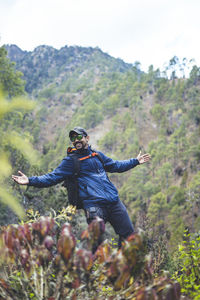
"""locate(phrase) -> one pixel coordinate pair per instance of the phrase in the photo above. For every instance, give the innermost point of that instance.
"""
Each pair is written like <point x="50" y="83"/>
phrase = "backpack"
<point x="71" y="182"/>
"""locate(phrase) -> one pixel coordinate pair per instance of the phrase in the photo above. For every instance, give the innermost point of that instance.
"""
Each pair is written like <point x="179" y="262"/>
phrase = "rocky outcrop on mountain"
<point x="15" y="53"/>
<point x="46" y="64"/>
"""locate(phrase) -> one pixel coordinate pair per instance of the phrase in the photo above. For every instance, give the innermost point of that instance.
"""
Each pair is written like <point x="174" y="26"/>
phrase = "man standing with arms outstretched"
<point x="97" y="194"/>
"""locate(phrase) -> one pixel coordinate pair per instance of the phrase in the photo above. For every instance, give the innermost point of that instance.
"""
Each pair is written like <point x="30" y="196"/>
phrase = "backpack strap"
<point x="76" y="164"/>
<point x="88" y="156"/>
<point x="71" y="183"/>
<point x="71" y="153"/>
<point x="99" y="157"/>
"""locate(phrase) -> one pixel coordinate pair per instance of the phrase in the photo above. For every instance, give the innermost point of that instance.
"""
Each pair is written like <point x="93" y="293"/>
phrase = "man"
<point x="98" y="195"/>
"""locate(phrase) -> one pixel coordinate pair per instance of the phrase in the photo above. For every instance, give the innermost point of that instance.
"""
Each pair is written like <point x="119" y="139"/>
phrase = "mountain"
<point x="46" y="64"/>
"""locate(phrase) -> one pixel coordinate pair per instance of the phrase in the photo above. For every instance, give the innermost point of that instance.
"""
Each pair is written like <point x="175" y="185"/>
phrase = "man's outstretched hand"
<point x="22" y="179"/>
<point x="143" y="158"/>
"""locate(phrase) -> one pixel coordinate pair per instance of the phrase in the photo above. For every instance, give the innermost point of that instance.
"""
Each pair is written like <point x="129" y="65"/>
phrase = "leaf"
<point x="5" y="166"/>
<point x="23" y="145"/>
<point x="17" y="103"/>
<point x="9" y="200"/>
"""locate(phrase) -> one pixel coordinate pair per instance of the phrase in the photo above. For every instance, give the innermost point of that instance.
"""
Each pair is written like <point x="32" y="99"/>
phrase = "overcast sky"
<point x="148" y="31"/>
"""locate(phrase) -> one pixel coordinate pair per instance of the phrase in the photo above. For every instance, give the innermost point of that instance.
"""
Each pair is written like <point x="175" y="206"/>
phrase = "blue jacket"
<point x="95" y="188"/>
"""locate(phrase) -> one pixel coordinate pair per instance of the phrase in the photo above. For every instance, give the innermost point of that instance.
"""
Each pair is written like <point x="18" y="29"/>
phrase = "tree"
<point x="194" y="75"/>
<point x="10" y="80"/>
<point x="157" y="211"/>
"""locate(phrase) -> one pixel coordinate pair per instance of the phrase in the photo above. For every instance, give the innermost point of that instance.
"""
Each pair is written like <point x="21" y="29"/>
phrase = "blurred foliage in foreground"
<point x="13" y="108"/>
<point x="12" y="140"/>
<point x="43" y="260"/>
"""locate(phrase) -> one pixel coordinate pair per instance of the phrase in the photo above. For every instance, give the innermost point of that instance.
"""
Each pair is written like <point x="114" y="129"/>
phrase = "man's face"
<point x="79" y="141"/>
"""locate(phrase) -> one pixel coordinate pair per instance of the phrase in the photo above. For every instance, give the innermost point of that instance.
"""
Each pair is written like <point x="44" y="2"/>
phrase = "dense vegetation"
<point x="124" y="110"/>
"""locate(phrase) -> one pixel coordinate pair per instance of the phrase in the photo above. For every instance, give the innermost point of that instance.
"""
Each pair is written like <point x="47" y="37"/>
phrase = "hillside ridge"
<point x="47" y="64"/>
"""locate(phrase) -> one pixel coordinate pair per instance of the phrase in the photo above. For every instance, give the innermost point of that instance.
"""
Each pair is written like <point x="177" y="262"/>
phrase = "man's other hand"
<point x="22" y="179"/>
<point x="143" y="158"/>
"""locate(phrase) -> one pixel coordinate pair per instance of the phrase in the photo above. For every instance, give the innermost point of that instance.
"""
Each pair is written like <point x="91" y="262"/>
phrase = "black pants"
<point x="116" y="214"/>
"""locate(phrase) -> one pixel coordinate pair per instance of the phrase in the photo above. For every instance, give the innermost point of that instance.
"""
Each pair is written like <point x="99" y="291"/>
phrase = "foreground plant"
<point x="41" y="260"/>
<point x="189" y="266"/>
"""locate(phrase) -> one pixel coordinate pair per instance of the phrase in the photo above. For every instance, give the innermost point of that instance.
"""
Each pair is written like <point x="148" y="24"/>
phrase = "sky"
<point x="148" y="31"/>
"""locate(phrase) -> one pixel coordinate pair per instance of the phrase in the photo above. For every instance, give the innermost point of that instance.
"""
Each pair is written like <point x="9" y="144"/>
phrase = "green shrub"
<point x="189" y="265"/>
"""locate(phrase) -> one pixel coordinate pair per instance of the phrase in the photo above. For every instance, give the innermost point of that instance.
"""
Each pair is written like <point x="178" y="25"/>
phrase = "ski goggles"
<point x="76" y="137"/>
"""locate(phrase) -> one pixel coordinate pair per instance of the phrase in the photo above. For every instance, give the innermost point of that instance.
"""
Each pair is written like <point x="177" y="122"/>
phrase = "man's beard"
<point x="79" y="148"/>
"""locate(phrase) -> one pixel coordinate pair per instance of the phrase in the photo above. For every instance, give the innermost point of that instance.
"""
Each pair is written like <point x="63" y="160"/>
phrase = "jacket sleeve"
<point x="118" y="165"/>
<point x="56" y="176"/>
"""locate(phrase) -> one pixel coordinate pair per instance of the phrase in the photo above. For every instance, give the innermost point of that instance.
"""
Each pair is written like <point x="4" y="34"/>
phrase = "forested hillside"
<point x="124" y="110"/>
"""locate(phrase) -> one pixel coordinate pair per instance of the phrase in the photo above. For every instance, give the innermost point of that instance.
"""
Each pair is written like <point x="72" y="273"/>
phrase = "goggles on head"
<point x="76" y="137"/>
